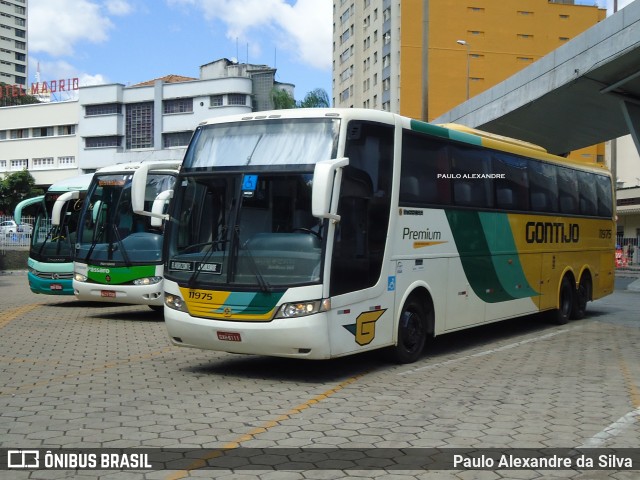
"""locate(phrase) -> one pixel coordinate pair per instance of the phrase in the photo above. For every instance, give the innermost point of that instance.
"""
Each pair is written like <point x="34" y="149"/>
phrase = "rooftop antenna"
<point x="237" y="51"/>
<point x="247" y="53"/>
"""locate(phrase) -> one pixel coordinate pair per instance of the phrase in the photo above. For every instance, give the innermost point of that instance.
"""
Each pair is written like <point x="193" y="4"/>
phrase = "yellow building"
<point x="421" y="58"/>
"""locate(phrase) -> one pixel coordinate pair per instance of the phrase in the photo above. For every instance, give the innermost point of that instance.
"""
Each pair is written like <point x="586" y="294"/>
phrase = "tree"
<point x="317" y="98"/>
<point x="16" y="187"/>
<point x="282" y="99"/>
<point x="11" y="95"/>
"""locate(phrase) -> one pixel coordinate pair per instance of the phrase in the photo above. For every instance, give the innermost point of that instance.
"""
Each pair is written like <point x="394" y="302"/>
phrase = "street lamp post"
<point x="463" y="42"/>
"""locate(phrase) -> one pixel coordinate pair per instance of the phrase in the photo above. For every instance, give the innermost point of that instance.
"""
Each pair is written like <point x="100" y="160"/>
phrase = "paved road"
<point x="80" y="375"/>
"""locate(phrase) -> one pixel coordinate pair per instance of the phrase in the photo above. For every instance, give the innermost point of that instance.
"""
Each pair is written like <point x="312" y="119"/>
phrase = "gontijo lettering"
<point x="552" y="232"/>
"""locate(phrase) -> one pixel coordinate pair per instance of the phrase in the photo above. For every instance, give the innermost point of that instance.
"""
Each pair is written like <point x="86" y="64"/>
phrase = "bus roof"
<point x="454" y="132"/>
<point x="80" y="182"/>
<point x="133" y="166"/>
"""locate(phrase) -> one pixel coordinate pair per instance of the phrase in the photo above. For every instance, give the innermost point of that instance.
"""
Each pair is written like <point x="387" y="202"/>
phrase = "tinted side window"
<point x="425" y="161"/>
<point x="543" y="187"/>
<point x="512" y="191"/>
<point x="567" y="190"/>
<point x="468" y="190"/>
<point x="605" y="198"/>
<point x="587" y="188"/>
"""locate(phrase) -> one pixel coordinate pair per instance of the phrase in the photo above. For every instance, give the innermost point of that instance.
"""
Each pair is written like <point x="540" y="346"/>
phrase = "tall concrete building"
<point x="420" y="58"/>
<point x="13" y="42"/>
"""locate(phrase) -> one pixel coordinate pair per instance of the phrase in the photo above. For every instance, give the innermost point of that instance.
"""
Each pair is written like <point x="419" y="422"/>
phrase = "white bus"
<point x="118" y="255"/>
<point x="50" y="260"/>
<point x="322" y="233"/>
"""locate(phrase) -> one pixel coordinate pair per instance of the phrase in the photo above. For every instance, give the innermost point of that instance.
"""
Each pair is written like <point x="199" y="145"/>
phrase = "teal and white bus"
<point x="322" y="233"/>
<point x="118" y="256"/>
<point x="50" y="260"/>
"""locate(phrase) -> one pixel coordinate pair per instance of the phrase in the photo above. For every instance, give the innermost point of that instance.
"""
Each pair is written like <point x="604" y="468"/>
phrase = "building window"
<point x="475" y="9"/>
<point x="139" y="125"/>
<point x="177" y="105"/>
<point x="21" y="57"/>
<point x="19" y="133"/>
<point x="525" y="13"/>
<point x="66" y="129"/>
<point x="237" y="99"/>
<point x="176" y="139"/>
<point x="21" y="164"/>
<point x="344" y="95"/>
<point x="45" y="162"/>
<point x="102" y="109"/>
<point x="525" y="59"/>
<point x="20" y="33"/>
<point x="102" y="142"/>
<point x="3" y="164"/>
<point x="216" y="100"/>
<point x="42" y="132"/>
<point x="525" y="36"/>
<point x="3" y="134"/>
<point x="564" y="17"/>
<point x="67" y="161"/>
<point x="20" y="45"/>
<point x="21" y="68"/>
<point x="564" y="39"/>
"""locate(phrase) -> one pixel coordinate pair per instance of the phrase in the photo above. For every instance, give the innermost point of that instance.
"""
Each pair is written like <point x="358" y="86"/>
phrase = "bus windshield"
<point x="266" y="144"/>
<point x="251" y="230"/>
<point x="55" y="244"/>
<point x="110" y="232"/>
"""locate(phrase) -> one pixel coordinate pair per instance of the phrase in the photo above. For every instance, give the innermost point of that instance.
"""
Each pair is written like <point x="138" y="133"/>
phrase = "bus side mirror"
<point x="326" y="174"/>
<point x="56" y="213"/>
<point x="139" y="187"/>
<point x="157" y="208"/>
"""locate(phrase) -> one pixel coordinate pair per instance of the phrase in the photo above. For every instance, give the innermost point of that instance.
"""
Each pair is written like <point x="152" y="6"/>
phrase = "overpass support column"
<point x="631" y="113"/>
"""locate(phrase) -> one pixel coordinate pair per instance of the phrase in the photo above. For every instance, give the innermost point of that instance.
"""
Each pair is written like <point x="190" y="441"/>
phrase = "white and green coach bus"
<point x="118" y="256"/>
<point x="322" y="233"/>
<point x="50" y="260"/>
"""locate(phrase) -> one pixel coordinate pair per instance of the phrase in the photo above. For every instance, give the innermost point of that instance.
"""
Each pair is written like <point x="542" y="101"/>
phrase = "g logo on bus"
<point x="227" y="311"/>
<point x="365" y="327"/>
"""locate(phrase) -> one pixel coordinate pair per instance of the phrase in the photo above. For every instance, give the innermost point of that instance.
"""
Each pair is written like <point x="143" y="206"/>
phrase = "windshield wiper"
<point x="264" y="285"/>
<point x="125" y="257"/>
<point x="207" y="255"/>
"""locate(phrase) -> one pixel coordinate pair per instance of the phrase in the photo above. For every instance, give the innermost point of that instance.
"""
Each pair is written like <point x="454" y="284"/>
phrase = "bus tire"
<point x="566" y="300"/>
<point x="582" y="296"/>
<point x="412" y="332"/>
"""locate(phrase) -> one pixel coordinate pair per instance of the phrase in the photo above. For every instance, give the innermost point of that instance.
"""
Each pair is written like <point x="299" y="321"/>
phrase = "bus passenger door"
<point x="362" y="299"/>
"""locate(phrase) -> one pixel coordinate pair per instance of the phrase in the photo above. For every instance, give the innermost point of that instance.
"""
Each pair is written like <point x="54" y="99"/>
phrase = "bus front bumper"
<point x="49" y="286"/>
<point x="302" y="337"/>
<point x="129" y="294"/>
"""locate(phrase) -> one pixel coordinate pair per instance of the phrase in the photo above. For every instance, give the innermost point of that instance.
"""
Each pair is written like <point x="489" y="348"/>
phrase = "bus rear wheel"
<point x="412" y="332"/>
<point x="582" y="296"/>
<point x="566" y="301"/>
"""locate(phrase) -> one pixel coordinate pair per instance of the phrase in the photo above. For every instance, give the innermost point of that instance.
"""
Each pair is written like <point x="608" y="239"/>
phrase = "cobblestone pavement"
<point x="80" y="375"/>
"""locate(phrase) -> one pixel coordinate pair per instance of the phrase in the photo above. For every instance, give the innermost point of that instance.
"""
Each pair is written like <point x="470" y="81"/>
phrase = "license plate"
<point x="55" y="286"/>
<point x="108" y="293"/>
<point x="229" y="336"/>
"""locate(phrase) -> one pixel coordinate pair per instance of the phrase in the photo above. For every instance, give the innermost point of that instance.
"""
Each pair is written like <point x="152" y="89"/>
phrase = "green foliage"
<point x="7" y="99"/>
<point x="16" y="187"/>
<point x="317" y="98"/>
<point x="281" y="99"/>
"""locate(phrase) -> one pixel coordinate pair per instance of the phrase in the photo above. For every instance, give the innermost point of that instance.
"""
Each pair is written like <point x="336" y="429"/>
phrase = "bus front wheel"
<point x="565" y="302"/>
<point x="412" y="332"/>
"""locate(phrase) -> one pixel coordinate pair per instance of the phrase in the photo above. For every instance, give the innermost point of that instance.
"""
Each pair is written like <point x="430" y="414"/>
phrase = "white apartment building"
<point x="13" y="42"/>
<point x="114" y="123"/>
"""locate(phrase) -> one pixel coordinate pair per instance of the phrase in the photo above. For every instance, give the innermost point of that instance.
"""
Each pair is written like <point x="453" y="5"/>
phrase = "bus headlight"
<point x="175" y="301"/>
<point x="302" y="309"/>
<point x="147" y="281"/>
<point x="78" y="277"/>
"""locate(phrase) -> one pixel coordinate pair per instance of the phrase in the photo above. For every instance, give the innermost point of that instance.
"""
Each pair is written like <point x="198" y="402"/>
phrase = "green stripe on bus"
<point x="479" y="238"/>
<point x="504" y="254"/>
<point x="442" y="132"/>
<point x="119" y="275"/>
